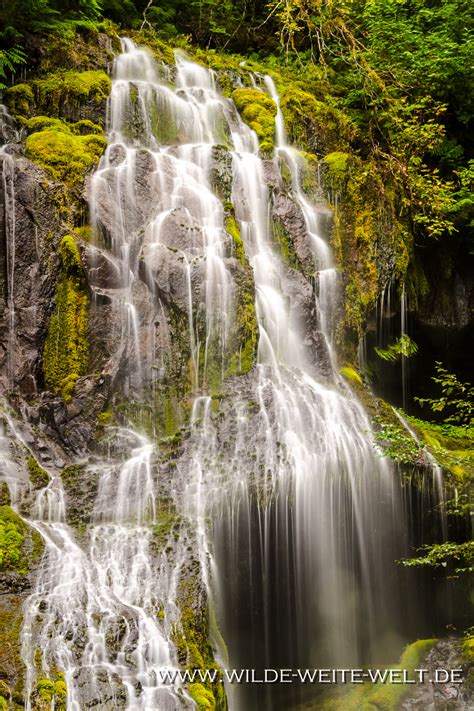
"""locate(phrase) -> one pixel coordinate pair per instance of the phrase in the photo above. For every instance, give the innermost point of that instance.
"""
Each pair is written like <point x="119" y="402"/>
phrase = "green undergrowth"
<point x="66" y="349"/>
<point x="258" y="111"/>
<point x="380" y="696"/>
<point x="451" y="445"/>
<point x="393" y="439"/>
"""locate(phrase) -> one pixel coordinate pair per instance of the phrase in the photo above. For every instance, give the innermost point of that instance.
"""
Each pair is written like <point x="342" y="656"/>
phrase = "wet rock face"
<point x="72" y="424"/>
<point x="443" y="696"/>
<point x="28" y="229"/>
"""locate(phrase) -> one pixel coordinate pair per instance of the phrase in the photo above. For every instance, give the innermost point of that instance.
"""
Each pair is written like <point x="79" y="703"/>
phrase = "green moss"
<point x="85" y="127"/>
<point x="70" y="257"/>
<point x="286" y="247"/>
<point x="351" y="375"/>
<point x="11" y="662"/>
<point x="380" y="696"/>
<point x="20" y="546"/>
<point x="45" y="689"/>
<point x="20" y="99"/>
<point x="12" y="542"/>
<point x="64" y="156"/>
<point x="83" y="233"/>
<point x="38" y="476"/>
<point x="63" y="89"/>
<point x="258" y="111"/>
<point x="233" y="229"/>
<point x="203" y="697"/>
<point x="337" y="165"/>
<point x="192" y="641"/>
<point x="42" y="123"/>
<point x="314" y="124"/>
<point x="451" y="445"/>
<point x="468" y="649"/>
<point x="66" y="349"/>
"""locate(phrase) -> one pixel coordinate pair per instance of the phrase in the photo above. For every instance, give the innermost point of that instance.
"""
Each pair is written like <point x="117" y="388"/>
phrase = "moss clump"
<point x="38" y="476"/>
<point x="258" y="110"/>
<point x="47" y="691"/>
<point x="314" y="124"/>
<point x="20" y="99"/>
<point x="234" y="231"/>
<point x="380" y="696"/>
<point x="337" y="169"/>
<point x="66" y="349"/>
<point x="19" y="545"/>
<point x="12" y="542"/>
<point x="285" y="245"/>
<point x="11" y="663"/>
<point x="42" y="123"/>
<point x="85" y="127"/>
<point x="58" y="91"/>
<point x="63" y="155"/>
<point x="351" y="375"/>
<point x="203" y="697"/>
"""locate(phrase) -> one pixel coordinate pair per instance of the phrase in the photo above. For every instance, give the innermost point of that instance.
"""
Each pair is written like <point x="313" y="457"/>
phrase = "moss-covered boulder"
<point x="65" y="156"/>
<point x="258" y="111"/>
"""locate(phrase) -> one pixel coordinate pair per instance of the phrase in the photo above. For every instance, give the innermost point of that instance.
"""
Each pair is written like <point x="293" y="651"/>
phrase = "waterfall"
<point x="280" y="499"/>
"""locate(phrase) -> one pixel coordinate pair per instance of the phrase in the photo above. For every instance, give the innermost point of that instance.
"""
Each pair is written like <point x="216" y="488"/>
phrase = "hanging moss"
<point x="66" y="349"/>
<point x="38" y="476"/>
<point x="337" y="166"/>
<point x="258" y="110"/>
<point x="63" y="155"/>
<point x="192" y="641"/>
<point x="234" y="231"/>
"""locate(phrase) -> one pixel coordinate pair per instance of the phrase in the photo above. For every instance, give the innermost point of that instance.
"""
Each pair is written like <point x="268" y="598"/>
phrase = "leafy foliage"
<point x="403" y="347"/>
<point x="460" y="556"/>
<point x="456" y="401"/>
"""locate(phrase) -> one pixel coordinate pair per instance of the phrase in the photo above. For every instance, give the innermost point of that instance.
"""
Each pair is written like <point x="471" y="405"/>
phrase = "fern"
<point x="10" y="59"/>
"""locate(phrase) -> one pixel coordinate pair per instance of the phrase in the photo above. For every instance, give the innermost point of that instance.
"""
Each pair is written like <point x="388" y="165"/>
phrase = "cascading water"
<point x="294" y="516"/>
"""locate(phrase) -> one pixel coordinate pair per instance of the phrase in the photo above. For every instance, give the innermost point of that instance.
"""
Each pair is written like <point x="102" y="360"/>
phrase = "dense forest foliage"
<point x="400" y="69"/>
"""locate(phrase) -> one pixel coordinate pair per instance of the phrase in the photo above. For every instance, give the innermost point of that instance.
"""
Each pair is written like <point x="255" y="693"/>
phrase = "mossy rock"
<point x="60" y="91"/>
<point x="258" y="111"/>
<point x="20" y="99"/>
<point x="337" y="166"/>
<point x="65" y="156"/>
<point x="313" y="124"/>
<point x="66" y="348"/>
<point x="20" y="546"/>
<point x="38" y="476"/>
